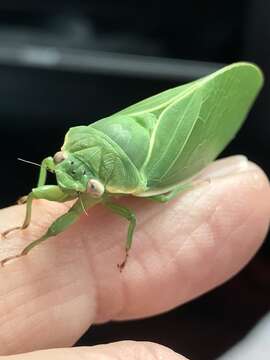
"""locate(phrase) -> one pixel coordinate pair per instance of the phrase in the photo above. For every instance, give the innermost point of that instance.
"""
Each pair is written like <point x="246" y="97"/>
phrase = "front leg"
<point x="46" y="165"/>
<point x="38" y="193"/>
<point x="60" y="224"/>
<point x="47" y="192"/>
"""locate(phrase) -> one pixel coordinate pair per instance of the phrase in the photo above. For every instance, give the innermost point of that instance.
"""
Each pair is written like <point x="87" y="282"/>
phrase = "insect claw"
<point x="5" y="233"/>
<point x="22" y="200"/>
<point x="6" y="260"/>
<point x="123" y="263"/>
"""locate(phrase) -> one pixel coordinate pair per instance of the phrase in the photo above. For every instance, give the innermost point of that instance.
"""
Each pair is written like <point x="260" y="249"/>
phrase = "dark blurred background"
<point x="65" y="63"/>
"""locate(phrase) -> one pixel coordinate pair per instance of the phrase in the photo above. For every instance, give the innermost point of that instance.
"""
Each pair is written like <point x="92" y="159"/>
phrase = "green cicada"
<point x="151" y="149"/>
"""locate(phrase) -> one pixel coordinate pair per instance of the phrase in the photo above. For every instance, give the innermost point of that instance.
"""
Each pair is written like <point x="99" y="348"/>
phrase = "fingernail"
<point x="224" y="167"/>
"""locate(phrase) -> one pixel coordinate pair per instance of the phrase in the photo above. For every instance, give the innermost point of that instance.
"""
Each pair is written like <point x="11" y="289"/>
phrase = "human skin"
<point x="181" y="249"/>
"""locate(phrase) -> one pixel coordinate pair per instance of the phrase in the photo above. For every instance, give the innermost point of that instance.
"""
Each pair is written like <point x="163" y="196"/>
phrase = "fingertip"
<point x="197" y="241"/>
<point x="139" y="350"/>
<point x="122" y="350"/>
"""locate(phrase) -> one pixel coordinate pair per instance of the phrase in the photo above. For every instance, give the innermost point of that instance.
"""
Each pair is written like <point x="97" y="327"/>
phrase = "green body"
<point x="164" y="140"/>
<point x="150" y="149"/>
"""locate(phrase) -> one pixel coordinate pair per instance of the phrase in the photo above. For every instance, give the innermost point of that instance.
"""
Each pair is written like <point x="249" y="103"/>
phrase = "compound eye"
<point x="59" y="157"/>
<point x="95" y="188"/>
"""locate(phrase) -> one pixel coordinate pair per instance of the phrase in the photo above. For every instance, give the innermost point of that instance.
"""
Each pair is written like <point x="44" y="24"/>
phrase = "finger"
<point x="121" y="350"/>
<point x="185" y="247"/>
<point x="181" y="249"/>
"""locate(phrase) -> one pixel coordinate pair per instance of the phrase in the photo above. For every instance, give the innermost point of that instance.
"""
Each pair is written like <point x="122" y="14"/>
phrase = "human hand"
<point x="181" y="249"/>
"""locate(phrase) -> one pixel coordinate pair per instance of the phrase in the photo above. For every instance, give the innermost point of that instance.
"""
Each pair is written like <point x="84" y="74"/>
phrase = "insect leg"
<point x="59" y="225"/>
<point x="173" y="193"/>
<point x="131" y="217"/>
<point x="177" y="190"/>
<point x="46" y="165"/>
<point x="48" y="192"/>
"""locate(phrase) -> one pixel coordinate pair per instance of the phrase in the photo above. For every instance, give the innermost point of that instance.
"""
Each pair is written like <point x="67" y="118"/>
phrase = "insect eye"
<point x="95" y="188"/>
<point x="59" y="157"/>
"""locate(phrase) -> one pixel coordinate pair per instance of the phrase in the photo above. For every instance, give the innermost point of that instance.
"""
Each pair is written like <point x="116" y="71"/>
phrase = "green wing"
<point x="132" y="127"/>
<point x="155" y="104"/>
<point x="171" y="136"/>
<point x="197" y="124"/>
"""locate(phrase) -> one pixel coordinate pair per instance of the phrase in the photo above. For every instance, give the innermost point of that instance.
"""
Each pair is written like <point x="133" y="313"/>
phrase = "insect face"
<point x="73" y="174"/>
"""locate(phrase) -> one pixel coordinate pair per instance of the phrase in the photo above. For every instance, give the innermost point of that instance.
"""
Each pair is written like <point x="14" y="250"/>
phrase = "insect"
<point x="150" y="149"/>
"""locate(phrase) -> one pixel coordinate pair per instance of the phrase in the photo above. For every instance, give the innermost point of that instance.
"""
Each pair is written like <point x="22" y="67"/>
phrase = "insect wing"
<point x="156" y="103"/>
<point x="213" y="110"/>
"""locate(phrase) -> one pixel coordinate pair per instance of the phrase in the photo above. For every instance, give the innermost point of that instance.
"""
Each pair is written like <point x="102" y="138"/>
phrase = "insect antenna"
<point x="28" y="162"/>
<point x="82" y="204"/>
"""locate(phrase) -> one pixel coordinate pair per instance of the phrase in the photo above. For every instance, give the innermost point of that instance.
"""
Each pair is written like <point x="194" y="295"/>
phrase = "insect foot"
<point x="22" y="200"/>
<point x="5" y="233"/>
<point x="6" y="260"/>
<point x="123" y="263"/>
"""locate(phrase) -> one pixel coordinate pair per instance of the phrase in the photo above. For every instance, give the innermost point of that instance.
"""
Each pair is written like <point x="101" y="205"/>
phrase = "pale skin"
<point x="72" y="279"/>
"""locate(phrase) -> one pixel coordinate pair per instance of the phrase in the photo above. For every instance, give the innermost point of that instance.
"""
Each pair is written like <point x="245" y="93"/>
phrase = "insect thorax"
<point x="92" y="154"/>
